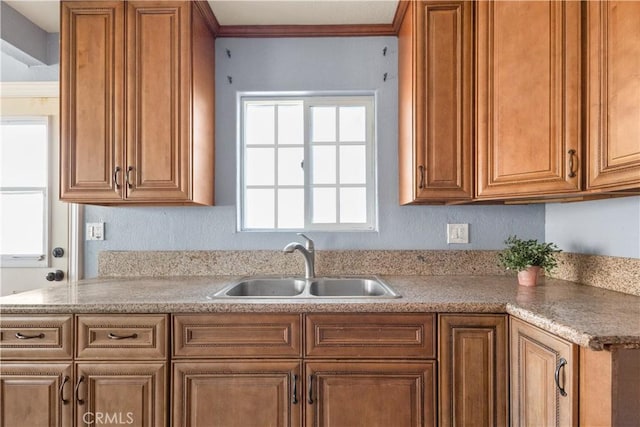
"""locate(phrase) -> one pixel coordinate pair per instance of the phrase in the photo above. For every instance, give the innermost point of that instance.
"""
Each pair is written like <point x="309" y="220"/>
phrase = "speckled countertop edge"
<point x="590" y="317"/>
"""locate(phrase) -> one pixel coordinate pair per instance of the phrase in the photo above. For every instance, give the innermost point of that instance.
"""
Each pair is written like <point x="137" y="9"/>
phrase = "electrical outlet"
<point x="457" y="233"/>
<point x="95" y="231"/>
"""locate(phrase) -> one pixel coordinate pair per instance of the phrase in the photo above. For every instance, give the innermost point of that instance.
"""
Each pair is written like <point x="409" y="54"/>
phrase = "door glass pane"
<point x="323" y="124"/>
<point x="290" y="124"/>
<point x="353" y="164"/>
<point x="23" y="154"/>
<point x="353" y="205"/>
<point x="260" y="166"/>
<point x="290" y="170"/>
<point x="324" y="205"/>
<point x="260" y="208"/>
<point x="260" y="124"/>
<point x="324" y="164"/>
<point x="291" y="208"/>
<point x="22" y="223"/>
<point x="352" y="124"/>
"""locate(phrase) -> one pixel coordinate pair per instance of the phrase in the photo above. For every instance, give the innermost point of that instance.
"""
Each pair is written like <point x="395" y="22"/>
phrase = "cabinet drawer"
<point x="122" y="337"/>
<point x="237" y="335"/>
<point x="371" y="335"/>
<point x="36" y="337"/>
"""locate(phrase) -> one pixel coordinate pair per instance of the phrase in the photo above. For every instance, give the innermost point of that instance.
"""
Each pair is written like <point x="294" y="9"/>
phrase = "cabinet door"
<point x="228" y="394"/>
<point x="121" y="393"/>
<point x="158" y="91"/>
<point x="528" y="98"/>
<point x="613" y="91"/>
<point x="473" y="370"/>
<point x="36" y="394"/>
<point x="537" y="359"/>
<point x="370" y="394"/>
<point x="435" y="44"/>
<point x="91" y="101"/>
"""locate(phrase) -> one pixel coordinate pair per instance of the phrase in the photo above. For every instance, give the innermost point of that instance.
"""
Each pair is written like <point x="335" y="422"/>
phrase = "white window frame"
<point x="309" y="100"/>
<point x="32" y="260"/>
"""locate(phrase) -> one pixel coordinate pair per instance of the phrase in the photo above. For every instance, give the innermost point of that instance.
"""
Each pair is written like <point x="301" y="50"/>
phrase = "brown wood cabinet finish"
<point x="370" y="393"/>
<point x="536" y="399"/>
<point x="613" y="95"/>
<point x="247" y="393"/>
<point x="435" y="102"/>
<point x="527" y="98"/>
<point x="36" y="337"/>
<point x="149" y="64"/>
<point x="473" y="370"/>
<point x="129" y="393"/>
<point x="37" y="394"/>
<point x="121" y="337"/>
<point x="377" y="336"/>
<point x="237" y="335"/>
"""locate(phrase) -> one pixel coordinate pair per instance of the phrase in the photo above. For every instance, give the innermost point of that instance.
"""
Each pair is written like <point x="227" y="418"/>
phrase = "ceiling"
<point x="46" y="15"/>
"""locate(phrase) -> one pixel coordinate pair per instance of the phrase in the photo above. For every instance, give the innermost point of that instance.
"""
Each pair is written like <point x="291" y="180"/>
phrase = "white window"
<point x="307" y="163"/>
<point x="23" y="191"/>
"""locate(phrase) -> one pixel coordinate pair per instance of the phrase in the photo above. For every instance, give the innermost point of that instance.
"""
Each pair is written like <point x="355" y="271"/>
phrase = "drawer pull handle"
<point x="22" y="336"/>
<point x="562" y="363"/>
<point x="310" y="395"/>
<point x="122" y="337"/>
<point x="77" y="388"/>
<point x="126" y="177"/>
<point x="116" y="171"/>
<point x="294" y="397"/>
<point x="65" y="380"/>
<point x="421" y="169"/>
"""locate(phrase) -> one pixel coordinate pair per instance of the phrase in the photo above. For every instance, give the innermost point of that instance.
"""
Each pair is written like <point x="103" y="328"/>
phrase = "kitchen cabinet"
<point x="373" y="370"/>
<point x="237" y="370"/>
<point x="544" y="378"/>
<point x="36" y="370"/>
<point x="435" y="44"/>
<point x="121" y="369"/>
<point x="473" y="370"/>
<point x="612" y="95"/>
<point x="528" y="104"/>
<point x="137" y="103"/>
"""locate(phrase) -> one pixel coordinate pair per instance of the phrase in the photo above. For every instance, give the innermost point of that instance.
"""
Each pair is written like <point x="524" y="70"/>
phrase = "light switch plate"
<point x="457" y="233"/>
<point x="95" y="231"/>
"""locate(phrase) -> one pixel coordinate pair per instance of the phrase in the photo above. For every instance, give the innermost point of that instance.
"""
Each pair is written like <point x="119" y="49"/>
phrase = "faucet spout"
<point x="307" y="252"/>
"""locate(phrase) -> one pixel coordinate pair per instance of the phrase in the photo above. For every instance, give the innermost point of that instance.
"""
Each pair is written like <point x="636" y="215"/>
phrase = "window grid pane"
<point x="338" y="170"/>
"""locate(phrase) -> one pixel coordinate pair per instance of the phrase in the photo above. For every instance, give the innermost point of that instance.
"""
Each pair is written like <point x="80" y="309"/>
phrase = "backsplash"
<point x="613" y="273"/>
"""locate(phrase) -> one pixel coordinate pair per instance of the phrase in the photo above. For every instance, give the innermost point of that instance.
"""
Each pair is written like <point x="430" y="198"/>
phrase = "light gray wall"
<point x="601" y="227"/>
<point x="321" y="64"/>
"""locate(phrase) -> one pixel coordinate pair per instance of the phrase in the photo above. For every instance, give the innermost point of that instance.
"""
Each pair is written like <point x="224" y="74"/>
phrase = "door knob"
<point x="57" y="252"/>
<point x="58" y="275"/>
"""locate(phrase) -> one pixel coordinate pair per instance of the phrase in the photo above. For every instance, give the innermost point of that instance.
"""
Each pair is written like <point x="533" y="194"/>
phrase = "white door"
<point x="32" y="221"/>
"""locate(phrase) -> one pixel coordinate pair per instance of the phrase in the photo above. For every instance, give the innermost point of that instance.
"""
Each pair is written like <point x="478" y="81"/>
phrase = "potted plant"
<point x="528" y="257"/>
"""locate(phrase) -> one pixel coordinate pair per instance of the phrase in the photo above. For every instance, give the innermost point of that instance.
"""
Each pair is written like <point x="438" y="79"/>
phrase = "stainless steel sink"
<point x="351" y="287"/>
<point x="322" y="287"/>
<point x="267" y="287"/>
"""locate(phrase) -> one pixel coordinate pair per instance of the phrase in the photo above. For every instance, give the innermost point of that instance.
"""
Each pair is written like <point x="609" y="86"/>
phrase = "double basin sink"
<point x="321" y="287"/>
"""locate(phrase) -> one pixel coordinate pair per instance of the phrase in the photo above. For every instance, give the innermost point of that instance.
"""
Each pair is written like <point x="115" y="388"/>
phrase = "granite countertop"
<point x="585" y="315"/>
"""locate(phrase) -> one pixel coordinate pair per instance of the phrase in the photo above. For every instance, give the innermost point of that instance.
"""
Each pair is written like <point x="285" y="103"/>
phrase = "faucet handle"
<point x="308" y="242"/>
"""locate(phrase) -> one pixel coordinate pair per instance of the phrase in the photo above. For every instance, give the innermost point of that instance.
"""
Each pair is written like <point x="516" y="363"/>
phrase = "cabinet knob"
<point x="561" y="364"/>
<point x="421" y="170"/>
<point x="116" y="171"/>
<point x="572" y="156"/>
<point x="127" y="177"/>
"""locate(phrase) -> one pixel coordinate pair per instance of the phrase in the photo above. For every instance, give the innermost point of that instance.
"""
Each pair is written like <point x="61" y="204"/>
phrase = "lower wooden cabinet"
<point x="473" y="380"/>
<point x="370" y="393"/>
<point x="544" y="378"/>
<point x="124" y="393"/>
<point x="36" y="394"/>
<point x="228" y="394"/>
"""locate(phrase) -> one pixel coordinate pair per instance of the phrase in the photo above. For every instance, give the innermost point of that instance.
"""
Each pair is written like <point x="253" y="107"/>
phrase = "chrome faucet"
<point x="307" y="251"/>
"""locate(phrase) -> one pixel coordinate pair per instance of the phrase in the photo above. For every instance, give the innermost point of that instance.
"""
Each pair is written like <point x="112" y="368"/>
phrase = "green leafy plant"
<point x="521" y="254"/>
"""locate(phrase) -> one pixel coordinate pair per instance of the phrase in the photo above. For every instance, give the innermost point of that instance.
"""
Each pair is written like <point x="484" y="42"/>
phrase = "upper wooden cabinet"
<point x="527" y="98"/>
<point x="613" y="95"/>
<point x="435" y="102"/>
<point x="137" y="102"/>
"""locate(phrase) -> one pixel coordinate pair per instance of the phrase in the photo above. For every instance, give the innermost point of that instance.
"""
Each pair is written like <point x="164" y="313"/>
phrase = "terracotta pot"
<point x="528" y="277"/>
